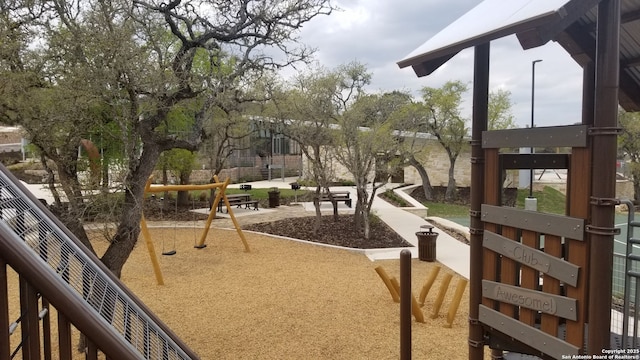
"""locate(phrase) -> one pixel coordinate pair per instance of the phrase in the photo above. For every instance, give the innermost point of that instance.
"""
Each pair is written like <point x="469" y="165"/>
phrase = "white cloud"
<point x="378" y="33"/>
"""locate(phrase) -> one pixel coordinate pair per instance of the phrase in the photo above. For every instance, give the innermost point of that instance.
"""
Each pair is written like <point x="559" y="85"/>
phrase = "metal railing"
<point x="632" y="275"/>
<point x="76" y="282"/>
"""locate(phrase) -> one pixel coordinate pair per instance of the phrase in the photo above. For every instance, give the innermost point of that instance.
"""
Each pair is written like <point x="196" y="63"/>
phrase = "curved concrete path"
<point x="449" y="251"/>
<point x="405" y="221"/>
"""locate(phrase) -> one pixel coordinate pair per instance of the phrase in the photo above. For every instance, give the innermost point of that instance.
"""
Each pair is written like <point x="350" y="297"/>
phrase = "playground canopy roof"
<point x="571" y="23"/>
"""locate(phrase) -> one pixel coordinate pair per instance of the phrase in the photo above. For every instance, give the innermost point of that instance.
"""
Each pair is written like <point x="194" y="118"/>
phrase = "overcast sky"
<point x="379" y="33"/>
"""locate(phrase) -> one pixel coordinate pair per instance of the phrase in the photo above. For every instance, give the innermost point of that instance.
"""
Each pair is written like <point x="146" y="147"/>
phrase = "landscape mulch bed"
<point x="340" y="232"/>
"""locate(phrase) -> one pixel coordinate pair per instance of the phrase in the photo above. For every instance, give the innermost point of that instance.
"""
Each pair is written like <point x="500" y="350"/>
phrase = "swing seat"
<point x="169" y="253"/>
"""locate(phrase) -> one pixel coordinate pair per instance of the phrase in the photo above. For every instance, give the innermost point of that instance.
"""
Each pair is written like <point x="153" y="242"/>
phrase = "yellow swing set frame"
<point x="220" y="196"/>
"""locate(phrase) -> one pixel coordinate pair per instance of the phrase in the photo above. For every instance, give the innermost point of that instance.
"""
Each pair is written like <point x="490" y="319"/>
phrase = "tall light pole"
<point x="533" y="204"/>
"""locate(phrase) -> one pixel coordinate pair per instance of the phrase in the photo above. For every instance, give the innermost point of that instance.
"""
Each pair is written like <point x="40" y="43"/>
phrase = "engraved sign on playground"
<point x="536" y="259"/>
<point x="531" y="299"/>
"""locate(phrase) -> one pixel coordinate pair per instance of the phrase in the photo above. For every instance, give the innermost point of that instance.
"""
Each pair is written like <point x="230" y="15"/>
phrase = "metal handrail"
<point x="76" y="282"/>
<point x="629" y="274"/>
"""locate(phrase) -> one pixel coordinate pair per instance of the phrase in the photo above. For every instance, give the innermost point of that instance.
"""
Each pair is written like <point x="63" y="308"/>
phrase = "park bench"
<point x="338" y="196"/>
<point x="238" y="200"/>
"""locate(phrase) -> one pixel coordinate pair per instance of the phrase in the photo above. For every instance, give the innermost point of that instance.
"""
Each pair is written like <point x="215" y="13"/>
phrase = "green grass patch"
<point x="445" y="210"/>
<point x="550" y="200"/>
<point x="392" y="197"/>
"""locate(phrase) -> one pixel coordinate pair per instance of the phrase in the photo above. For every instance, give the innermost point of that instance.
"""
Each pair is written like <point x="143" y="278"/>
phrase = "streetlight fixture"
<point x="532" y="203"/>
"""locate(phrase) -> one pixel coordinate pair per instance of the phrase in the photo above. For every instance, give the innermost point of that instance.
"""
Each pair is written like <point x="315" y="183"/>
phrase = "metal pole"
<point x="533" y="88"/>
<point x="405" y="305"/>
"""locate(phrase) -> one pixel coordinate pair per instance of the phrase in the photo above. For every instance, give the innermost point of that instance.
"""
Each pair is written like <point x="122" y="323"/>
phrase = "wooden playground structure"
<point x="220" y="188"/>
<point x="550" y="300"/>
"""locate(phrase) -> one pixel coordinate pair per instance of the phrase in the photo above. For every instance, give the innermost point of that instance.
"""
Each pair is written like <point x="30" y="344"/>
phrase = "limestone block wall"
<point x="436" y="162"/>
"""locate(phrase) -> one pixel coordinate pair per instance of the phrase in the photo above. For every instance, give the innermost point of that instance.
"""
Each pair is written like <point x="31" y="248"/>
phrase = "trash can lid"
<point x="427" y="226"/>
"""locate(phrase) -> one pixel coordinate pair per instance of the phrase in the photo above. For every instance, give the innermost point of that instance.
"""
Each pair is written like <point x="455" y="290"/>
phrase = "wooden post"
<point x="405" y="305"/>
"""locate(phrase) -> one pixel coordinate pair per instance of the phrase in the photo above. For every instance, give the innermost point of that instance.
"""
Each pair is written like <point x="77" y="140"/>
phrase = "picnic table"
<point x="239" y="200"/>
<point x="338" y="196"/>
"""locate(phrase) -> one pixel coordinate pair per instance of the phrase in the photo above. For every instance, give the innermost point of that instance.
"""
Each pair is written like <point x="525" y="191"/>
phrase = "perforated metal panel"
<point x="25" y="222"/>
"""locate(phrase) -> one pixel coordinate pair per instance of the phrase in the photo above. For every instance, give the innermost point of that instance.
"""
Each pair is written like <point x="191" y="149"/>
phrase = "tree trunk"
<point x="450" y="194"/>
<point x="183" y="196"/>
<point x="636" y="187"/>
<point x="360" y="214"/>
<point x="51" y="179"/>
<point x="128" y="228"/>
<point x="73" y="216"/>
<point x="367" y="225"/>
<point x="357" y="215"/>
<point x="316" y="205"/>
<point x="105" y="175"/>
<point x="424" y="176"/>
<point x="334" y="205"/>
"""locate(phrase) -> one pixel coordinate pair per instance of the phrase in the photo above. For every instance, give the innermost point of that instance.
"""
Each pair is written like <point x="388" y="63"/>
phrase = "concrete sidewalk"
<point x="449" y="251"/>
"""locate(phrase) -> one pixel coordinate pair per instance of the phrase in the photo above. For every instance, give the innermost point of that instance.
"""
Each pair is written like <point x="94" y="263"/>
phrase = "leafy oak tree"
<point x="141" y="59"/>
<point x="438" y="115"/>
<point x="306" y="110"/>
<point x="369" y="153"/>
<point x="443" y="120"/>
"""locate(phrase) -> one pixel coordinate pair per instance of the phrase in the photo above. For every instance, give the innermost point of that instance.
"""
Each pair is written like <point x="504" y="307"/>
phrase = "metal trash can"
<point x="427" y="245"/>
<point x="274" y="198"/>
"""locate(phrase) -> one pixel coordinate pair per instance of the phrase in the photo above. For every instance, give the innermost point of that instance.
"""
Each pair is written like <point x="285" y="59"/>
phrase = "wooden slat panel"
<point x="509" y="271"/>
<point x="551" y="136"/>
<point x="553" y="247"/>
<point x="534" y="161"/>
<point x="534" y="258"/>
<point x="529" y="277"/>
<point x="556" y="305"/>
<point x="4" y="312"/>
<point x="535" y="221"/>
<point x="579" y="190"/>
<point x="492" y="197"/>
<point x="531" y="336"/>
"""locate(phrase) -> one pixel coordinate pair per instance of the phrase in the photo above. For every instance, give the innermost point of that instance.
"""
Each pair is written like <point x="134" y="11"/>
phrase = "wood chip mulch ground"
<point x="288" y="300"/>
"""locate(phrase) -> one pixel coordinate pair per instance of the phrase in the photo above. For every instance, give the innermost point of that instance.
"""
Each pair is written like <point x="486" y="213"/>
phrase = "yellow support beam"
<point x="152" y="251"/>
<point x="212" y="212"/>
